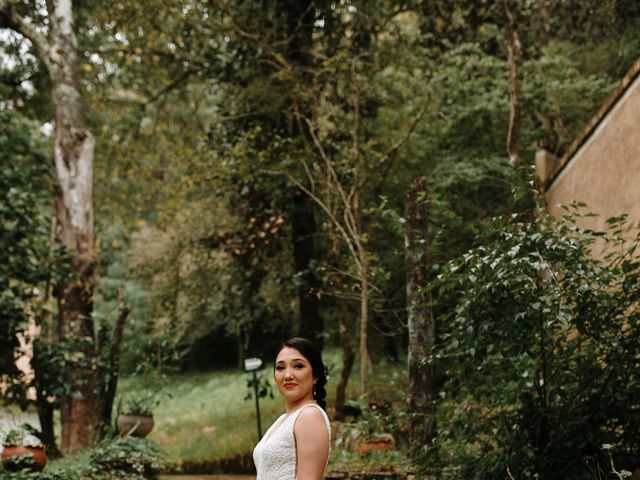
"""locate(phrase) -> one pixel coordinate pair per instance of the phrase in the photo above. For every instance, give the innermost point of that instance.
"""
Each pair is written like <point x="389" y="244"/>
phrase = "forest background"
<point x="254" y="166"/>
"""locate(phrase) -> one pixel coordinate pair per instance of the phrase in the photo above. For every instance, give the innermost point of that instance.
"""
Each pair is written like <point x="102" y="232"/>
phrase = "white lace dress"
<point x="275" y="454"/>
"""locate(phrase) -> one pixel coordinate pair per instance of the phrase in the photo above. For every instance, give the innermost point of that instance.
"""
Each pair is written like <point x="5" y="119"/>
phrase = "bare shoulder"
<point x="310" y="421"/>
<point x="312" y="444"/>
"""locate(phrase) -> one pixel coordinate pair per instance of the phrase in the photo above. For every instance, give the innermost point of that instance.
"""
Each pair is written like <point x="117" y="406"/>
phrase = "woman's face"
<point x="293" y="375"/>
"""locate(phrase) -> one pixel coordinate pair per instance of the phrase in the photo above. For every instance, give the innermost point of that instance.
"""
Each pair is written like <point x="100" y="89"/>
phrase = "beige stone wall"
<point x="604" y="172"/>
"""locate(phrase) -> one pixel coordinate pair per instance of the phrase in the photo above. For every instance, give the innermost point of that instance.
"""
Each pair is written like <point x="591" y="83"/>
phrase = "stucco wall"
<point x="604" y="172"/>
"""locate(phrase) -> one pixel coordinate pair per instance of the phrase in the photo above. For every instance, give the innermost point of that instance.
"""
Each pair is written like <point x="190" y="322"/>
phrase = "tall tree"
<point x="73" y="154"/>
<point x="420" y="320"/>
<point x="299" y="19"/>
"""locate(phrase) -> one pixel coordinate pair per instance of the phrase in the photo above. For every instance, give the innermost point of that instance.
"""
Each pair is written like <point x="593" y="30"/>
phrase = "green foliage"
<point x="377" y="461"/>
<point x="195" y="114"/>
<point x="206" y="419"/>
<point x="122" y="458"/>
<point x="62" y="358"/>
<point x="139" y="403"/>
<point x="206" y="276"/>
<point x="24" y="227"/>
<point x="537" y="339"/>
<point x="471" y="94"/>
<point x="28" y="475"/>
<point x="117" y="287"/>
<point x="463" y="195"/>
<point x="145" y="393"/>
<point x="374" y="420"/>
<point x="127" y="457"/>
<point x="23" y="435"/>
<point x="13" y="437"/>
<point x="559" y="93"/>
<point x="259" y="384"/>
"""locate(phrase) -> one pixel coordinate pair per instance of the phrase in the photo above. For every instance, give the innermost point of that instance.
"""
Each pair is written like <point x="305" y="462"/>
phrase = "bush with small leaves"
<point x="128" y="457"/>
<point x="538" y="340"/>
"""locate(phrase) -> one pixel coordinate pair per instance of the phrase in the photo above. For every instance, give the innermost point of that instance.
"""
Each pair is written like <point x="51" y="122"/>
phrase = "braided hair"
<point x="312" y="354"/>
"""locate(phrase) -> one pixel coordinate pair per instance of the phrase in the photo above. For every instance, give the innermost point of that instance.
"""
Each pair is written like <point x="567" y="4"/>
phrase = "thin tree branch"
<point x="349" y="223"/>
<point x="513" y="50"/>
<point x="357" y="120"/>
<point x="10" y="19"/>
<point x="51" y="6"/>
<point x="175" y="83"/>
<point x="349" y="241"/>
<point x="349" y="227"/>
<point x="339" y="271"/>
<point x="302" y="129"/>
<point x="392" y="152"/>
<point x="261" y="40"/>
<point x="416" y="119"/>
<point x="328" y="163"/>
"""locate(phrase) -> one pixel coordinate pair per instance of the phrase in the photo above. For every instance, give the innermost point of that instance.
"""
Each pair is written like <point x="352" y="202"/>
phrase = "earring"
<point x="314" y="390"/>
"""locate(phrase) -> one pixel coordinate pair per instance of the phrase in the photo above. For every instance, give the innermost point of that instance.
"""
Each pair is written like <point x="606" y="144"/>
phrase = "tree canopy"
<point x="249" y="170"/>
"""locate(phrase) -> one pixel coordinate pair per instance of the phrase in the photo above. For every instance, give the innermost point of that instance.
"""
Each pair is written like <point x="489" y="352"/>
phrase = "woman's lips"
<point x="288" y="385"/>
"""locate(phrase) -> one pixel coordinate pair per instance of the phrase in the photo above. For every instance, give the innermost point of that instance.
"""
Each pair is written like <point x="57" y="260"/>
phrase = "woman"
<point x="296" y="446"/>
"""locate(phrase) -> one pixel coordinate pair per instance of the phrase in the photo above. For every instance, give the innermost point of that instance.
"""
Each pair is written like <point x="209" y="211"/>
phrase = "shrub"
<point x="538" y="338"/>
<point x="57" y="474"/>
<point x="123" y="458"/>
<point x="127" y="457"/>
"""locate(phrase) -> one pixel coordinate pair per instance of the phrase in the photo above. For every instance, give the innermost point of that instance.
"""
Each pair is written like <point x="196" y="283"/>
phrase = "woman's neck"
<point x="293" y="406"/>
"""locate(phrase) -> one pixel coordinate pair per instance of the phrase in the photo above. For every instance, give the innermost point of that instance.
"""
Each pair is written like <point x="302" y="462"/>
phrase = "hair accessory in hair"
<point x="327" y="369"/>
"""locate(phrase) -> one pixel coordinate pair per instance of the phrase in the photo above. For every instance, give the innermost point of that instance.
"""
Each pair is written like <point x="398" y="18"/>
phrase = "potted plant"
<point x="23" y="450"/>
<point x="376" y="441"/>
<point x="136" y="414"/>
<point x="372" y="430"/>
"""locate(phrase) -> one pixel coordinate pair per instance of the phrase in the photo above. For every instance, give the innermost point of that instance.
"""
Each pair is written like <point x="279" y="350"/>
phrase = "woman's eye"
<point x="298" y="365"/>
<point x="279" y="368"/>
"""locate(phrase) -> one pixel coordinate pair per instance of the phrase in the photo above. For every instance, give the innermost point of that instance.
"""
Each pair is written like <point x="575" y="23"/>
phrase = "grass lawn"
<point x="204" y="417"/>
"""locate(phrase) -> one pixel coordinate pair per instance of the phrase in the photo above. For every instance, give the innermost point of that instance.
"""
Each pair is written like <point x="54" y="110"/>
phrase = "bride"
<point x="296" y="446"/>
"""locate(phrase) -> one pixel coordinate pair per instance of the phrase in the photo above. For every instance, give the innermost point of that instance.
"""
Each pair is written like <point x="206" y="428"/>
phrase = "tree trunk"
<point x="348" y="358"/>
<point x="363" y="269"/>
<point x="421" y="323"/>
<point x="44" y="404"/>
<point x="348" y="352"/>
<point x="113" y="368"/>
<point x="241" y="353"/>
<point x="80" y="411"/>
<point x="73" y="157"/>
<point x="365" y="360"/>
<point x="299" y="21"/>
<point x="304" y="228"/>
<point x="45" y="417"/>
<point x="244" y="341"/>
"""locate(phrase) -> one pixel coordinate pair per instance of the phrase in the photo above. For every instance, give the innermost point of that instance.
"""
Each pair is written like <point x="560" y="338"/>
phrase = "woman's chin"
<point x="292" y="396"/>
<point x="289" y="395"/>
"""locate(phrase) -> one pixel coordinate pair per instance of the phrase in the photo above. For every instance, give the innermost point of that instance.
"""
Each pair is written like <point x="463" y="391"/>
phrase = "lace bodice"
<point x="275" y="454"/>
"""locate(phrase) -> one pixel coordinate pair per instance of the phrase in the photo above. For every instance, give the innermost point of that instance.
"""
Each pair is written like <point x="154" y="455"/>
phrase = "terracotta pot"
<point x="11" y="452"/>
<point x="366" y="446"/>
<point x="134" y="425"/>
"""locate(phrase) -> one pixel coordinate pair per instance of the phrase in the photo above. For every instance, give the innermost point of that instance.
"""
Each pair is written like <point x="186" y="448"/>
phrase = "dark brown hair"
<point x="312" y="354"/>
